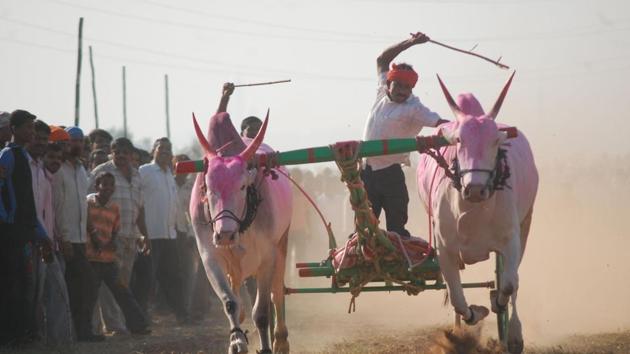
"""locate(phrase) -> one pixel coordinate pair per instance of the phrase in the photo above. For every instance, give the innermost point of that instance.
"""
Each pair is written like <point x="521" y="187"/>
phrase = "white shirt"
<point x="160" y="201"/>
<point x="391" y="120"/>
<point x="183" y="205"/>
<point x="70" y="185"/>
<point x="43" y="195"/>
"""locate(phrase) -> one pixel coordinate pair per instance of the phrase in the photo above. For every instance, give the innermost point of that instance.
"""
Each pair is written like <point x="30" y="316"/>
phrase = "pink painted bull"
<point x="241" y="220"/>
<point x="484" y="206"/>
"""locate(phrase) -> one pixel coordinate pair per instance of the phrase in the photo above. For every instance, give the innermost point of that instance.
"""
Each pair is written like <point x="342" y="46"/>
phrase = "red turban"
<point x="405" y="76"/>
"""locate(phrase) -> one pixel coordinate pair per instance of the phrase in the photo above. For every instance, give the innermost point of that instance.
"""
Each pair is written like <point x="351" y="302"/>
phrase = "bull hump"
<point x="222" y="132"/>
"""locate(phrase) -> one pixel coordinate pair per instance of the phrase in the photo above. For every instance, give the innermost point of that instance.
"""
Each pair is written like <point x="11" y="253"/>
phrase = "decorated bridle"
<point x="499" y="175"/>
<point x="252" y="199"/>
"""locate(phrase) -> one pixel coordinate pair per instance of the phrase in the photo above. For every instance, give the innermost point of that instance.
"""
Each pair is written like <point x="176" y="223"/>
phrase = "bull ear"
<point x="497" y="106"/>
<point x="249" y="152"/>
<point x="503" y="136"/>
<point x="202" y="139"/>
<point x="449" y="134"/>
<point x="451" y="102"/>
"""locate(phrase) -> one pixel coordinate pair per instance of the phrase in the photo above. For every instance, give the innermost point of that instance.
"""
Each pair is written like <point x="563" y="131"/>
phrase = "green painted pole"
<point x="325" y="153"/>
<point x="77" y="85"/>
<point x="437" y="286"/>
<point x="368" y="148"/>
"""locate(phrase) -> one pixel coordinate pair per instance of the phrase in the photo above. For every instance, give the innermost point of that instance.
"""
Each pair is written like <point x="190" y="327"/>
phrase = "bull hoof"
<point x="238" y="342"/>
<point x="494" y="302"/>
<point x="478" y="314"/>
<point x="515" y="346"/>
<point x="237" y="348"/>
<point x="280" y="347"/>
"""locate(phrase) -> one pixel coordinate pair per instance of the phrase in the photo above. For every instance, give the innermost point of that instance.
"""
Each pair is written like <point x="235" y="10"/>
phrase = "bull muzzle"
<point x="225" y="239"/>
<point x="476" y="193"/>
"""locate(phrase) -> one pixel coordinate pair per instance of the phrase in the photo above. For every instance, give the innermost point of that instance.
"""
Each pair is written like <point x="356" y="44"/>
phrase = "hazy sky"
<point x="570" y="93"/>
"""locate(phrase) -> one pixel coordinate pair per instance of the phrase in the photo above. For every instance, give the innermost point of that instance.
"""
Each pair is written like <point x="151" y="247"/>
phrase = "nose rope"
<point x="497" y="177"/>
<point x="252" y="201"/>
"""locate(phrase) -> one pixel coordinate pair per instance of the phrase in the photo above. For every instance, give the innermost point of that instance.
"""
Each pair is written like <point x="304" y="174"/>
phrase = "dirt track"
<point x="211" y="337"/>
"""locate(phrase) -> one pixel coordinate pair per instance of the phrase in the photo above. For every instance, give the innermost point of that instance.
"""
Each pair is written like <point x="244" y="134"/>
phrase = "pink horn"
<point x="497" y="106"/>
<point x="250" y="150"/>
<point x="202" y="139"/>
<point x="451" y="102"/>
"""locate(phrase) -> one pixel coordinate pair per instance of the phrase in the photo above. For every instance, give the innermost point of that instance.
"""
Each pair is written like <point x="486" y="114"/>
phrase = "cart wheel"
<point x="502" y="316"/>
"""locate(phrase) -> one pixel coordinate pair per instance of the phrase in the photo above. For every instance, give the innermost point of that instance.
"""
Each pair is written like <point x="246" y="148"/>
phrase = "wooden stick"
<point x="495" y="62"/>
<point x="124" y="82"/>
<point x="168" y="116"/>
<point x="77" y="85"/>
<point x="94" y="90"/>
<point x="263" y="83"/>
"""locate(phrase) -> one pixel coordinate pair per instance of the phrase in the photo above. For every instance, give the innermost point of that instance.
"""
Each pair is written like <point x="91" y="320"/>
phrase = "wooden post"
<point x="77" y="85"/>
<point x="168" y="124"/>
<point x="124" y="81"/>
<point x="94" y="89"/>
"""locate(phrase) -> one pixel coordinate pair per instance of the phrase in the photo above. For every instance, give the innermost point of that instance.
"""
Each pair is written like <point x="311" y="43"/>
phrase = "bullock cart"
<point x="372" y="260"/>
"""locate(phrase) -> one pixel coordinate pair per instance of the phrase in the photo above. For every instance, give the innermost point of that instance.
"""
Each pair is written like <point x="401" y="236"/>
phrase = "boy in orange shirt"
<point x="102" y="226"/>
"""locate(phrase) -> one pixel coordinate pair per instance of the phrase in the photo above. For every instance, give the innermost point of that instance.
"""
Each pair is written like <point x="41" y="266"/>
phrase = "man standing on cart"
<point x="397" y="113"/>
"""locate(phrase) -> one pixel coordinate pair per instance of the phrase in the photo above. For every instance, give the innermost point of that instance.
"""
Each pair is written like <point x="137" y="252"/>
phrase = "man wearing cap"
<point x="70" y="188"/>
<point x="397" y="113"/>
<point x="5" y="129"/>
<point x="21" y="231"/>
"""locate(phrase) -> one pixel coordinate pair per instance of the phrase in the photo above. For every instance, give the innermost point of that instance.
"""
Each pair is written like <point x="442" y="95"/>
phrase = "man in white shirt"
<point x="397" y="113"/>
<point x="70" y="185"/>
<point x="160" y="211"/>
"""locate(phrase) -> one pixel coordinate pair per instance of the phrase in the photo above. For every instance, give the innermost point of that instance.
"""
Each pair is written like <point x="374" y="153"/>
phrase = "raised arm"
<point x="383" y="60"/>
<point x="228" y="89"/>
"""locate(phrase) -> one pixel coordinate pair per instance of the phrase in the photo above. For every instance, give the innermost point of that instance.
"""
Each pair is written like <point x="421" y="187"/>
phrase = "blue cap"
<point x="75" y="132"/>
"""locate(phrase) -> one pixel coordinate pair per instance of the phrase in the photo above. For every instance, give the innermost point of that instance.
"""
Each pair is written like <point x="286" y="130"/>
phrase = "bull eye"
<point x="242" y="187"/>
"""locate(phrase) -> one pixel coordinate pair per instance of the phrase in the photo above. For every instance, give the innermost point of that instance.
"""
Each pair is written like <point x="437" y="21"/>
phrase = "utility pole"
<point x="124" y="81"/>
<point x="77" y="85"/>
<point x="94" y="89"/>
<point x="168" y="124"/>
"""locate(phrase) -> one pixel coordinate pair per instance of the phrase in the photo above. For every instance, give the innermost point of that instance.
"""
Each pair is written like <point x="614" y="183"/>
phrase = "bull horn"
<point x="497" y="106"/>
<point x="202" y="139"/>
<point x="250" y="150"/>
<point x="451" y="102"/>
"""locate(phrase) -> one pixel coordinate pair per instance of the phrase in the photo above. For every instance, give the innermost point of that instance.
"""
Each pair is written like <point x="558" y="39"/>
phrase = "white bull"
<point x="484" y="206"/>
<point x="231" y="250"/>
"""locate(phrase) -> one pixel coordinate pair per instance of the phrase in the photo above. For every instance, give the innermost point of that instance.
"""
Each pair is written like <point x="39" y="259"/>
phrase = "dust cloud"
<point x="573" y="278"/>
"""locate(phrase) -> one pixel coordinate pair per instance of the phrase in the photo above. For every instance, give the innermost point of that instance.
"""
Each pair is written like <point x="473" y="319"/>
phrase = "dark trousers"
<point x="81" y="290"/>
<point x="165" y="269"/>
<point x="135" y="318"/>
<point x="141" y="284"/>
<point x="387" y="191"/>
<point x="17" y="297"/>
<point x="195" y="285"/>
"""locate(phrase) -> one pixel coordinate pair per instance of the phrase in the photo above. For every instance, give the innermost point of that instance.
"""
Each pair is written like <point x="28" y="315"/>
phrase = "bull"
<point x="241" y="220"/>
<point x="483" y="203"/>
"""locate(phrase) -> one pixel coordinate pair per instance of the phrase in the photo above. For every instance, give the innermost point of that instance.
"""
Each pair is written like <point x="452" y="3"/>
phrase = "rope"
<point x="332" y="243"/>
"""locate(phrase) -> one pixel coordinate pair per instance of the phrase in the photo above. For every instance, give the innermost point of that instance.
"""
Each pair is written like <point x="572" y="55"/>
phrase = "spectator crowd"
<point x="95" y="235"/>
